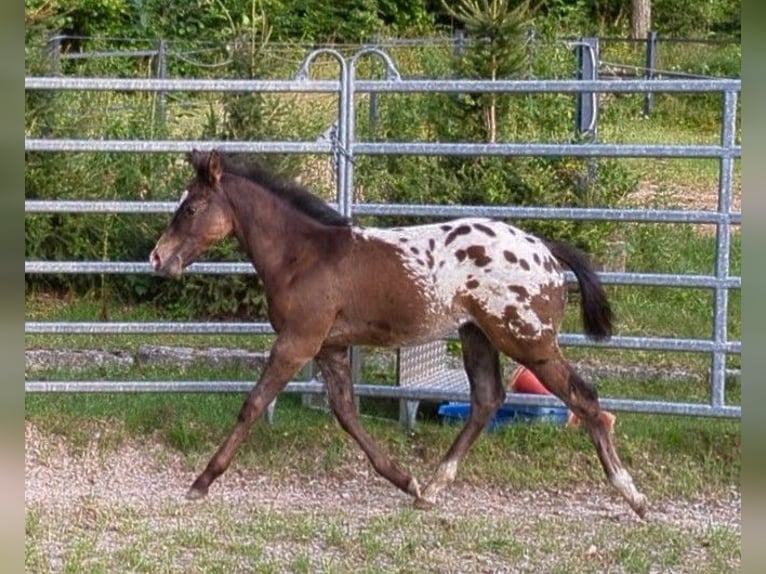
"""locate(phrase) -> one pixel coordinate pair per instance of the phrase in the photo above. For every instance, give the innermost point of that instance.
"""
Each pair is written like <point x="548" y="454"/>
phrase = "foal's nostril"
<point x="154" y="260"/>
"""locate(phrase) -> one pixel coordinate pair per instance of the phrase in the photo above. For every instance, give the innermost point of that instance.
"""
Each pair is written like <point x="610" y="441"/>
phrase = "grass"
<point x="262" y="540"/>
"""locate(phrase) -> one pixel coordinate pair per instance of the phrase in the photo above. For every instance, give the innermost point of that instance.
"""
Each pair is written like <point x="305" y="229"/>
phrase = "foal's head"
<point x="203" y="217"/>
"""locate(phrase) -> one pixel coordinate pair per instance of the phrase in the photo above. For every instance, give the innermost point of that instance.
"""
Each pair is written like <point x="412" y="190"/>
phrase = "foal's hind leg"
<point x="482" y="364"/>
<point x="334" y="365"/>
<point x="580" y="396"/>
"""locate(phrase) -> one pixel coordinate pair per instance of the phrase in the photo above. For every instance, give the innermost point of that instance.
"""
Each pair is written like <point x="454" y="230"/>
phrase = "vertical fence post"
<point x="161" y="72"/>
<point x="587" y="69"/>
<point x="373" y="111"/>
<point x="649" y="67"/>
<point x="723" y="249"/>
<point x="587" y="107"/>
<point x="339" y="140"/>
<point x="54" y="53"/>
<point x="530" y="38"/>
<point x="459" y="45"/>
<point x="53" y="49"/>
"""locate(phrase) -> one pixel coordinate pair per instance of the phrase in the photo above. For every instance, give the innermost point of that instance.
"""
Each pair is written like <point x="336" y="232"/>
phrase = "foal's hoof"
<point x="413" y="488"/>
<point x="195" y="493"/>
<point x="639" y="504"/>
<point x="423" y="504"/>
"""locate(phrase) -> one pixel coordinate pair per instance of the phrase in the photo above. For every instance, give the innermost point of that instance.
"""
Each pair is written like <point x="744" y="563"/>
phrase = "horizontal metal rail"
<point x="573" y="213"/>
<point x="243" y="268"/>
<point x="371" y="390"/>
<point x="548" y="150"/>
<point x="173" y="146"/>
<point x="147" y="327"/>
<point x="412" y="148"/>
<point x="237" y="328"/>
<point x="382" y="86"/>
<point x="179" y="85"/>
<point x="418" y="210"/>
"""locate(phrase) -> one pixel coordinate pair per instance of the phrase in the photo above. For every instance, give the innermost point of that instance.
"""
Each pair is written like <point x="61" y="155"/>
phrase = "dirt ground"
<point x="147" y="478"/>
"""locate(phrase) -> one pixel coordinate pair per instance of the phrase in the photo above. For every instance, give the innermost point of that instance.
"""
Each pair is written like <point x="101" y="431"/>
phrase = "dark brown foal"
<point x="330" y="285"/>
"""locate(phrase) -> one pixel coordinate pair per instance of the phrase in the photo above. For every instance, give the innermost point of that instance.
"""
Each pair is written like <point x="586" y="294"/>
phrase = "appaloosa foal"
<point x="330" y="284"/>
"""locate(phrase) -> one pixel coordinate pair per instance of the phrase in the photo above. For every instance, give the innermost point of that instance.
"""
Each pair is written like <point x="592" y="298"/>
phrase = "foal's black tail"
<point x="596" y="311"/>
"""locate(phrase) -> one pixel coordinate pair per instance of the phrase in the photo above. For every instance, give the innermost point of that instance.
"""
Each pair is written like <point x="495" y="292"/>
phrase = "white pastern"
<point x="447" y="472"/>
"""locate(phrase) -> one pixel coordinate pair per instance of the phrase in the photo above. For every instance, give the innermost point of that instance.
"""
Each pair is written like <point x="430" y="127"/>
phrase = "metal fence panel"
<point x="345" y="148"/>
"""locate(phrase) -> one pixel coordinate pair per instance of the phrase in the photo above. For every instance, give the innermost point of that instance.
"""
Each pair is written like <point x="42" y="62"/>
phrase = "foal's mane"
<point x="296" y="195"/>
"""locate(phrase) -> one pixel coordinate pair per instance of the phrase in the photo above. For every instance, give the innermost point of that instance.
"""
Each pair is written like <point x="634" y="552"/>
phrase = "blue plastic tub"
<point x="505" y="415"/>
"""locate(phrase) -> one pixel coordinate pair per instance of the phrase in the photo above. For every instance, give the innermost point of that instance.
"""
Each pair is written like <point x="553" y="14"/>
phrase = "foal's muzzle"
<point x="171" y="267"/>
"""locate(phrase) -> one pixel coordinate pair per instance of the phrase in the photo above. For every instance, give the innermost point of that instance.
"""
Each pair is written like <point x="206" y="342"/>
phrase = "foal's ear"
<point x="214" y="167"/>
<point x="197" y="159"/>
<point x="208" y="166"/>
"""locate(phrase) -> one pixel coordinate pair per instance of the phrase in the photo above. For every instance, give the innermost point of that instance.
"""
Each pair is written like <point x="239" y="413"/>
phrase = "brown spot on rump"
<point x="521" y="292"/>
<point x="462" y="230"/>
<point x="479" y="255"/>
<point x="415" y="250"/>
<point x="524" y="264"/>
<point x="446" y="228"/>
<point x="431" y="244"/>
<point x="484" y="229"/>
<point x="549" y="303"/>
<point x="460" y="254"/>
<point x="516" y="323"/>
<point x="403" y="239"/>
<point x="530" y="239"/>
<point x="472" y="283"/>
<point x="510" y="257"/>
<point x="430" y="259"/>
<point x="536" y="257"/>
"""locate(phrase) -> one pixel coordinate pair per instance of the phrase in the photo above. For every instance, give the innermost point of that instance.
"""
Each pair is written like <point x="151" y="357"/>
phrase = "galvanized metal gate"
<point x="344" y="146"/>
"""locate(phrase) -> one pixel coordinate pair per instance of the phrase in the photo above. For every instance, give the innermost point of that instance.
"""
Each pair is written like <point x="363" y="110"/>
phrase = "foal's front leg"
<point x="287" y="357"/>
<point x="334" y="365"/>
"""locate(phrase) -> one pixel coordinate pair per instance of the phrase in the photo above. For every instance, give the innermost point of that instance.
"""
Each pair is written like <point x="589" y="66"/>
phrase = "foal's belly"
<point x="395" y="328"/>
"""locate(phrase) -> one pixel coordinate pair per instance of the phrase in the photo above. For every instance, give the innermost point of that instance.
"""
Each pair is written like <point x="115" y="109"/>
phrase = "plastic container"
<point x="507" y="414"/>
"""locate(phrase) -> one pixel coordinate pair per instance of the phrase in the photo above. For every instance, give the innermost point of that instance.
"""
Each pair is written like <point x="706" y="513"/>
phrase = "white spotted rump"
<point x="494" y="263"/>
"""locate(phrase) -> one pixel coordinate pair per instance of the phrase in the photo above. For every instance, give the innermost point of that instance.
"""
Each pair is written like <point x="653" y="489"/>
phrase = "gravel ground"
<point x="148" y="480"/>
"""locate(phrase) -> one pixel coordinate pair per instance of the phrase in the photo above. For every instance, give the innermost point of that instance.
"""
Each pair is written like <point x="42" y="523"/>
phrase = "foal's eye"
<point x="191" y="209"/>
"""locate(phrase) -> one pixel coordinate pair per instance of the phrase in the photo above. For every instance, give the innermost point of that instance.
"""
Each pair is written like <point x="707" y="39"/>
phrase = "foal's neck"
<point x="267" y="227"/>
